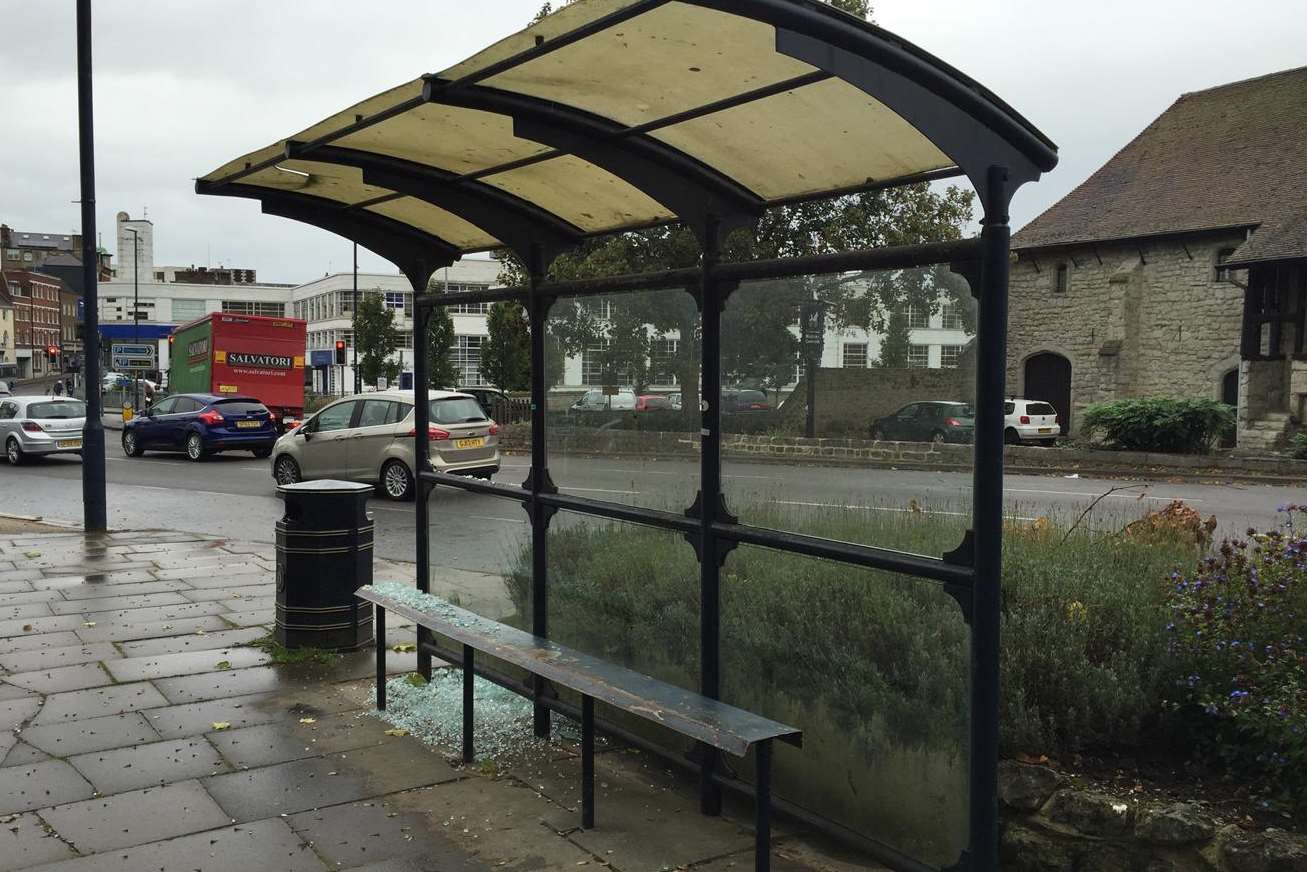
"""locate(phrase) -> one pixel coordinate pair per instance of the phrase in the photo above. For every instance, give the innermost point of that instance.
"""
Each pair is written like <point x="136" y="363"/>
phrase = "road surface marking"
<point x="597" y="490"/>
<point x="888" y="509"/>
<point x="1119" y="496"/>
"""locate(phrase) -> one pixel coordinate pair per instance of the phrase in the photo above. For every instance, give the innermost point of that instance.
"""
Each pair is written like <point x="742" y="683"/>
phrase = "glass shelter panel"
<point x="874" y="668"/>
<point x="620" y="427"/>
<point x="827" y="427"/>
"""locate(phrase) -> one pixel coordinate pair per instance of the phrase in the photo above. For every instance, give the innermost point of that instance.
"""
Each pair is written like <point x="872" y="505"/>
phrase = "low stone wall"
<point x="909" y="455"/>
<point x="1048" y="825"/>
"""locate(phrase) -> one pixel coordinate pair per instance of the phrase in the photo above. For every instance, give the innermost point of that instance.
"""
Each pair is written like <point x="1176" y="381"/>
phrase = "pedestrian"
<point x="58" y="387"/>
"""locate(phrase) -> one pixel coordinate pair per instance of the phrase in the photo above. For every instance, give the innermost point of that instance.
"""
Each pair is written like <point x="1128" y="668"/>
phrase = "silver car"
<point x="36" y="426"/>
<point x="369" y="438"/>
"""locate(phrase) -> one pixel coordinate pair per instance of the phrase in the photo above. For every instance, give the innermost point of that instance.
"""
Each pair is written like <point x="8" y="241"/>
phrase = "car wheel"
<point x="937" y="438"/>
<point x="195" y="447"/>
<point x="397" y="481"/>
<point x="14" y="452"/>
<point x="261" y="453"/>
<point x="130" y="446"/>
<point x="1011" y="437"/>
<point x="877" y="434"/>
<point x="286" y="471"/>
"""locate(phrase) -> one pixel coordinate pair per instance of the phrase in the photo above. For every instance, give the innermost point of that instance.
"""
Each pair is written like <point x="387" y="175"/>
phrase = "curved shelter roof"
<point x="616" y="114"/>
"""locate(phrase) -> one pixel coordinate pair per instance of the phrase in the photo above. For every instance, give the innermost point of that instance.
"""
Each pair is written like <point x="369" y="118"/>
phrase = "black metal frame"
<point x="989" y="143"/>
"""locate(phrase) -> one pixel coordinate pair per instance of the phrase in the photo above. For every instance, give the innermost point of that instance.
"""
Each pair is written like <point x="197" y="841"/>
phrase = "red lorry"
<point x="249" y="355"/>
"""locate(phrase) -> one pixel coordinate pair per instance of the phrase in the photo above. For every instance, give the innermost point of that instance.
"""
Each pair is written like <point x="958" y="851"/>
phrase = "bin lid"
<point x="325" y="486"/>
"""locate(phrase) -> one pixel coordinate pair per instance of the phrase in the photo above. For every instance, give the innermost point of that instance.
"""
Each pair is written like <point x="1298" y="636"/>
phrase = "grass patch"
<point x="292" y="656"/>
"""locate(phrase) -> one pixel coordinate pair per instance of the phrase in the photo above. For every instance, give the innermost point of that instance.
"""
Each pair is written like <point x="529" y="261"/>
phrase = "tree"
<point x="506" y="351"/>
<point x="441" y="372"/>
<point x="376" y="338"/>
<point x="896" y="342"/>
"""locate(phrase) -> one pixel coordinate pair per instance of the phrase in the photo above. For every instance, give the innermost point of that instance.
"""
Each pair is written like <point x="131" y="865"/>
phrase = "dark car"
<point x="933" y="421"/>
<point x="201" y="425"/>
<point x="744" y="401"/>
<point x="486" y="398"/>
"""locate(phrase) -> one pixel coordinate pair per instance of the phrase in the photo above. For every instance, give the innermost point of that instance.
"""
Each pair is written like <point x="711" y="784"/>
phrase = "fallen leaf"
<point x="224" y="664"/>
<point x="88" y="623"/>
<point x="221" y="725"/>
<point x="415" y="679"/>
<point x="201" y="633"/>
<point x="308" y="720"/>
<point x="397" y="732"/>
<point x="403" y="647"/>
<point x="27" y="628"/>
<point x="32" y="554"/>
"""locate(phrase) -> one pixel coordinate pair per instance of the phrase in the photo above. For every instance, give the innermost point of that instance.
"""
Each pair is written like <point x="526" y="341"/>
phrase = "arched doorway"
<point x="1230" y="396"/>
<point x="1048" y="378"/>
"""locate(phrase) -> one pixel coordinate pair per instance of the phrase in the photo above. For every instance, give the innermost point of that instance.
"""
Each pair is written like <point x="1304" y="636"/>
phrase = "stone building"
<point x="1178" y="268"/>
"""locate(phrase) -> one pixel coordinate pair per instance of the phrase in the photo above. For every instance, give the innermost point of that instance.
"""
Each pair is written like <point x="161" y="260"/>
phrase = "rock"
<point x="1025" y="850"/>
<point x="1090" y="812"/>
<point x="1178" y="824"/>
<point x="1026" y="786"/>
<point x="1268" y="851"/>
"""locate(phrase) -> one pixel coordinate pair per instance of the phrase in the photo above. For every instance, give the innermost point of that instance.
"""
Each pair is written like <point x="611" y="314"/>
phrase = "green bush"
<point x="1159" y="424"/>
<point x="1239" y="629"/>
<point x="1084" y="657"/>
<point x="1300" y="445"/>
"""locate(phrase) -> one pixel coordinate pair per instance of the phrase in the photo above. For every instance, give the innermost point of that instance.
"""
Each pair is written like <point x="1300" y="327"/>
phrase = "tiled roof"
<point x="42" y="240"/>
<point x="1230" y="156"/>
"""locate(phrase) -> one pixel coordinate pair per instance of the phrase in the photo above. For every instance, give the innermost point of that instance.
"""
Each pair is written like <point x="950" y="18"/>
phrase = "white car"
<point x="1029" y="421"/>
<point x="598" y="401"/>
<point x="40" y="426"/>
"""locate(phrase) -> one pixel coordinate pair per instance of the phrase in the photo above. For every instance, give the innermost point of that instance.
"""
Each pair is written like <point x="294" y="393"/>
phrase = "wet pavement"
<point x="141" y="730"/>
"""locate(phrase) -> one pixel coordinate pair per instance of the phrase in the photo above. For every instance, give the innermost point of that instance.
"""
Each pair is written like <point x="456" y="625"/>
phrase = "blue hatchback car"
<point x="201" y="425"/>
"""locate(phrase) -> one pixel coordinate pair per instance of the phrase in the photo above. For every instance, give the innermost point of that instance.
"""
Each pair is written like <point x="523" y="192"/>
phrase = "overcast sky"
<point x="182" y="87"/>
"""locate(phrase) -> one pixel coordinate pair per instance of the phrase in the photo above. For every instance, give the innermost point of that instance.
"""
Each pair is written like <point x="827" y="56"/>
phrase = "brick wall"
<point x="1136" y="320"/>
<point x="848" y="400"/>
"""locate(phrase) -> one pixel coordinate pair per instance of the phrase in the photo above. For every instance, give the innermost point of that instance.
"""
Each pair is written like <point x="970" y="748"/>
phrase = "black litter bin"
<point x="324" y="554"/>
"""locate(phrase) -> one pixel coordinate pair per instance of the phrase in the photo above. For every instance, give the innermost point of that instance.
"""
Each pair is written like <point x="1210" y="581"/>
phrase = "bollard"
<point x="324" y="554"/>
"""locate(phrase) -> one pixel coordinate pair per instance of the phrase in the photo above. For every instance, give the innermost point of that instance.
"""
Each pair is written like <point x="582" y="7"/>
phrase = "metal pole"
<point x="987" y="522"/>
<point x="136" y="313"/>
<point x="358" y="377"/>
<point x="94" y="511"/>
<point x="422" y="463"/>
<point x="710" y="496"/>
<point x="539" y="481"/>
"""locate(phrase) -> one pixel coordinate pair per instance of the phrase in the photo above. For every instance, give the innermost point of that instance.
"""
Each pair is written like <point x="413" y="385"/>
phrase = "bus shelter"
<point x="616" y="115"/>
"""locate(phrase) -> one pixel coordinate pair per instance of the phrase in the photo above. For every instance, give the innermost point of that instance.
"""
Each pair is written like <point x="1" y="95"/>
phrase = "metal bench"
<point x="706" y="720"/>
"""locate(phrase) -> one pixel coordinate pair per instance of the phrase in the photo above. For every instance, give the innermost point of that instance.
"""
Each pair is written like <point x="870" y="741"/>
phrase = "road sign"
<point x="133" y="356"/>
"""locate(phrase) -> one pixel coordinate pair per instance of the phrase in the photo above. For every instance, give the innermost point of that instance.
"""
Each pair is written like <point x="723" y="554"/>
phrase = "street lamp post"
<point x="136" y="312"/>
<point x="358" y="376"/>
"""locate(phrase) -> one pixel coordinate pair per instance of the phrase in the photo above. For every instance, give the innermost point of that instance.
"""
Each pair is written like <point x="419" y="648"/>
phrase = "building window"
<point x="918" y="317"/>
<point x="951" y="317"/>
<point x="187" y="310"/>
<point x="918" y="356"/>
<point x="466" y="357"/>
<point x="662" y="359"/>
<point x="1062" y="279"/>
<point x="253" y="307"/>
<point x="592" y="364"/>
<point x="854" y="355"/>
<point x="399" y="302"/>
<point x="949" y="355"/>
<point x="1223" y="273"/>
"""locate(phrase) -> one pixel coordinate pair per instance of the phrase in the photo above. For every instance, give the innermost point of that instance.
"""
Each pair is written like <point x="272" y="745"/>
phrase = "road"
<point x="233" y="495"/>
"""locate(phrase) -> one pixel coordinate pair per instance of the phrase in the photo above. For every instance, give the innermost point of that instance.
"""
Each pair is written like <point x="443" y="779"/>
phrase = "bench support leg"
<point x="469" y="675"/>
<point x="379" y="628"/>
<point x="587" y="762"/>
<point x="762" y="806"/>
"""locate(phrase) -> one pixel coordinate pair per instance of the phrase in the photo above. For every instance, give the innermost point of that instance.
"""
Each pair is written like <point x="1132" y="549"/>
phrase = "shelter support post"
<point x="379" y="631"/>
<point x="987" y="521"/>
<point x="422" y="460"/>
<point x="538" y="481"/>
<point x="762" y="806"/>
<point x="469" y="686"/>
<point x="588" y="762"/>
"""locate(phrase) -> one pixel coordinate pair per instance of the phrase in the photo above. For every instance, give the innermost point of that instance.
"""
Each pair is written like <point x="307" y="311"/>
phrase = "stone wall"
<point x="1136" y="320"/>
<point x="1051" y="824"/>
<point x="848" y="399"/>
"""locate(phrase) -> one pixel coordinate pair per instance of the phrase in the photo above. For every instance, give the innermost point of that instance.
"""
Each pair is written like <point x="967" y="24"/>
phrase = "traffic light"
<point x="340" y="352"/>
<point x="50" y="352"/>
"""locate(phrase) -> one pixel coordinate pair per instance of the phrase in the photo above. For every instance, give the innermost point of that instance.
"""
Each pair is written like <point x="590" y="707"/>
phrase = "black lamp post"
<point x="136" y="312"/>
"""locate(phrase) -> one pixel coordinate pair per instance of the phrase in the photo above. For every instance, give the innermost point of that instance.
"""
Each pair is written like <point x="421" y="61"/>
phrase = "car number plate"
<point x="68" y="443"/>
<point x="249" y="425"/>
<point x="1045" y="429"/>
<point x="470" y="443"/>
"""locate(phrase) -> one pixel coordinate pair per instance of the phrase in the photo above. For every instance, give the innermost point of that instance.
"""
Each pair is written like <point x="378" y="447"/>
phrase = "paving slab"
<point x="9" y="575"/>
<point x="28" y="597"/>
<point x="57" y="655"/>
<point x="24" y="842"/>
<point x="262" y="846"/>
<point x="95" y="590"/>
<point x="63" y="679"/>
<point x="215" y="685"/>
<point x="116" y="603"/>
<point x="189" y="663"/>
<point x="23" y="788"/>
<point x="37" y="626"/>
<point x="191" y="642"/>
<point x="37" y="641"/>
<point x="14" y="712"/>
<point x="92" y="734"/>
<point x="99" y="701"/>
<point x="116" y="632"/>
<point x="10" y="691"/>
<point x="10" y="587"/>
<point x="249" y="617"/>
<point x="245" y="591"/>
<point x="23" y="754"/>
<point x="248" y="578"/>
<point x="371" y="831"/>
<point x="304" y="784"/>
<point x="75" y="581"/>
<point x="194" y="719"/>
<point x="229" y="571"/>
<point x="135" y="817"/>
<point x="280" y="742"/>
<point x="149" y="765"/>
<point x="26" y="610"/>
<point x="186" y="609"/>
